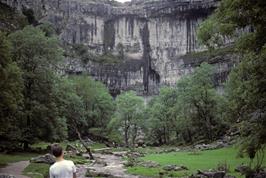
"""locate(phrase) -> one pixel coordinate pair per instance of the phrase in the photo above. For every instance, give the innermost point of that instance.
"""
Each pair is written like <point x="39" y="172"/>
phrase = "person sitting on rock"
<point x="61" y="168"/>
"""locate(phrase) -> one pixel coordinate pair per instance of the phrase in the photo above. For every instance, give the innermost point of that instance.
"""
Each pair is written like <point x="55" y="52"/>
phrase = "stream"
<point x="108" y="165"/>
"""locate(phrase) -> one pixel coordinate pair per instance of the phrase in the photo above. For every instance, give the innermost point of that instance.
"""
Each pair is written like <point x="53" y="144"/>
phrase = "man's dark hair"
<point x="57" y="150"/>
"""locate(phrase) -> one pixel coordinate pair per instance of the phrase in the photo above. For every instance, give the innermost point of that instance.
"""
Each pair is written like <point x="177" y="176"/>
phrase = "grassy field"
<point x="10" y="158"/>
<point x="203" y="160"/>
<point x="37" y="170"/>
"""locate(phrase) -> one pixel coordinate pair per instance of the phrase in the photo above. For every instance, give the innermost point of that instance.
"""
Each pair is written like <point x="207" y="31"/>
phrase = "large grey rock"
<point x="212" y="174"/>
<point x="134" y="155"/>
<point x="149" y="164"/>
<point x="47" y="158"/>
<point x="155" y="35"/>
<point x="70" y="147"/>
<point x="242" y="169"/>
<point x="174" y="168"/>
<point x="259" y="175"/>
<point x="211" y="146"/>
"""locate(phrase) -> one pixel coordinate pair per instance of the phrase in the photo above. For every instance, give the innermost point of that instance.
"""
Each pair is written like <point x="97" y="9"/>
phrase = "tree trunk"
<point x="164" y="134"/>
<point x="126" y="133"/>
<point x="126" y="136"/>
<point x="134" y="136"/>
<point x="84" y="144"/>
<point x="25" y="145"/>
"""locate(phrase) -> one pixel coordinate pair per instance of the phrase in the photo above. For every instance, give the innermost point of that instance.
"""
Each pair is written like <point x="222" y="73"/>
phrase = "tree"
<point x="99" y="106"/>
<point x="245" y="91"/>
<point x="162" y="122"/>
<point x="37" y="56"/>
<point x="244" y="22"/>
<point x="188" y="112"/>
<point x="73" y="110"/>
<point x="129" y="113"/>
<point x="11" y="97"/>
<point x="198" y="105"/>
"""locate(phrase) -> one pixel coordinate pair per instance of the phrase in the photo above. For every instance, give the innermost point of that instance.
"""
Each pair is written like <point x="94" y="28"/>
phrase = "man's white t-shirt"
<point x="62" y="169"/>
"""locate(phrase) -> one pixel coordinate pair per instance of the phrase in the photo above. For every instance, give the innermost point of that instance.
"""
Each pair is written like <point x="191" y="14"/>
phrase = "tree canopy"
<point x="243" y="21"/>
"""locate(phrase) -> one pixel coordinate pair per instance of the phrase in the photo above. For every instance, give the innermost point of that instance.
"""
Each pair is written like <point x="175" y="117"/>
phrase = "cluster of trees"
<point x="128" y="120"/>
<point x="37" y="103"/>
<point x="243" y="21"/>
<point x="189" y="112"/>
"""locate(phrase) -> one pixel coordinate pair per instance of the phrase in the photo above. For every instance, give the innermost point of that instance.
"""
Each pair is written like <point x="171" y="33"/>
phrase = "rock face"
<point x="152" y="35"/>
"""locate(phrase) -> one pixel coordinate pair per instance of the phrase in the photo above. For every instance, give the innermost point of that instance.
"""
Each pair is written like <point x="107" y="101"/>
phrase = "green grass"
<point x="37" y="170"/>
<point x="97" y="146"/>
<point x="10" y="158"/>
<point x="77" y="159"/>
<point x="204" y="160"/>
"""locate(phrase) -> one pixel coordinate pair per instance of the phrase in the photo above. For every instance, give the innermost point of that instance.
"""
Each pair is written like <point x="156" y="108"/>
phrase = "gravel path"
<point x="110" y="165"/>
<point x="15" y="169"/>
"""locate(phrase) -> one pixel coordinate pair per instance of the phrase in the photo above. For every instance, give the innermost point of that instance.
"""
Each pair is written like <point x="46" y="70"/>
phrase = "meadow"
<point x="202" y="160"/>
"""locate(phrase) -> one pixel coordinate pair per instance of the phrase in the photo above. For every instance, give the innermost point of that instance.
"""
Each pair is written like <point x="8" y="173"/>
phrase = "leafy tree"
<point x="48" y="29"/>
<point x="11" y="97"/>
<point x="203" y="101"/>
<point x="162" y="122"/>
<point x="98" y="102"/>
<point x="129" y="115"/>
<point x="245" y="91"/>
<point x="244" y="21"/>
<point x="37" y="56"/>
<point x="189" y="112"/>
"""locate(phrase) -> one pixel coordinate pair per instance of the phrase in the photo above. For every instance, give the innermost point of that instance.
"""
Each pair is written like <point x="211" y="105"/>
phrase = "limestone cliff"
<point x="154" y="36"/>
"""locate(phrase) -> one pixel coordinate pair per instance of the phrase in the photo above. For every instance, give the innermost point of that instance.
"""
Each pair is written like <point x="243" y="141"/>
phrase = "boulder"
<point x="149" y="164"/>
<point x="140" y="143"/>
<point x="242" y="169"/>
<point x="73" y="150"/>
<point x="174" y="168"/>
<point x="47" y="158"/>
<point x="213" y="174"/>
<point x="93" y="173"/>
<point x="134" y="154"/>
<point x="120" y="153"/>
<point x="212" y="146"/>
<point x="70" y="147"/>
<point x="261" y="174"/>
<point x="104" y="151"/>
<point x="88" y="141"/>
<point x="229" y="176"/>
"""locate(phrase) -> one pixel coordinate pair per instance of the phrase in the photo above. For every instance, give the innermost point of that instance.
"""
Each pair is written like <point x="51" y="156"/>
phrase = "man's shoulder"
<point x="52" y="166"/>
<point x="65" y="162"/>
<point x="69" y="162"/>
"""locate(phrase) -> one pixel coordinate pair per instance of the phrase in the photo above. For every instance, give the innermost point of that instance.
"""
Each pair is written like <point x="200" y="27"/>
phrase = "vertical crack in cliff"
<point x="148" y="72"/>
<point x="109" y="36"/>
<point x="146" y="56"/>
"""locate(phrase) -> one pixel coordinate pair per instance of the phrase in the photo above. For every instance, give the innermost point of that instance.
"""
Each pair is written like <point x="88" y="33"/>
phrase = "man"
<point x="61" y="168"/>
